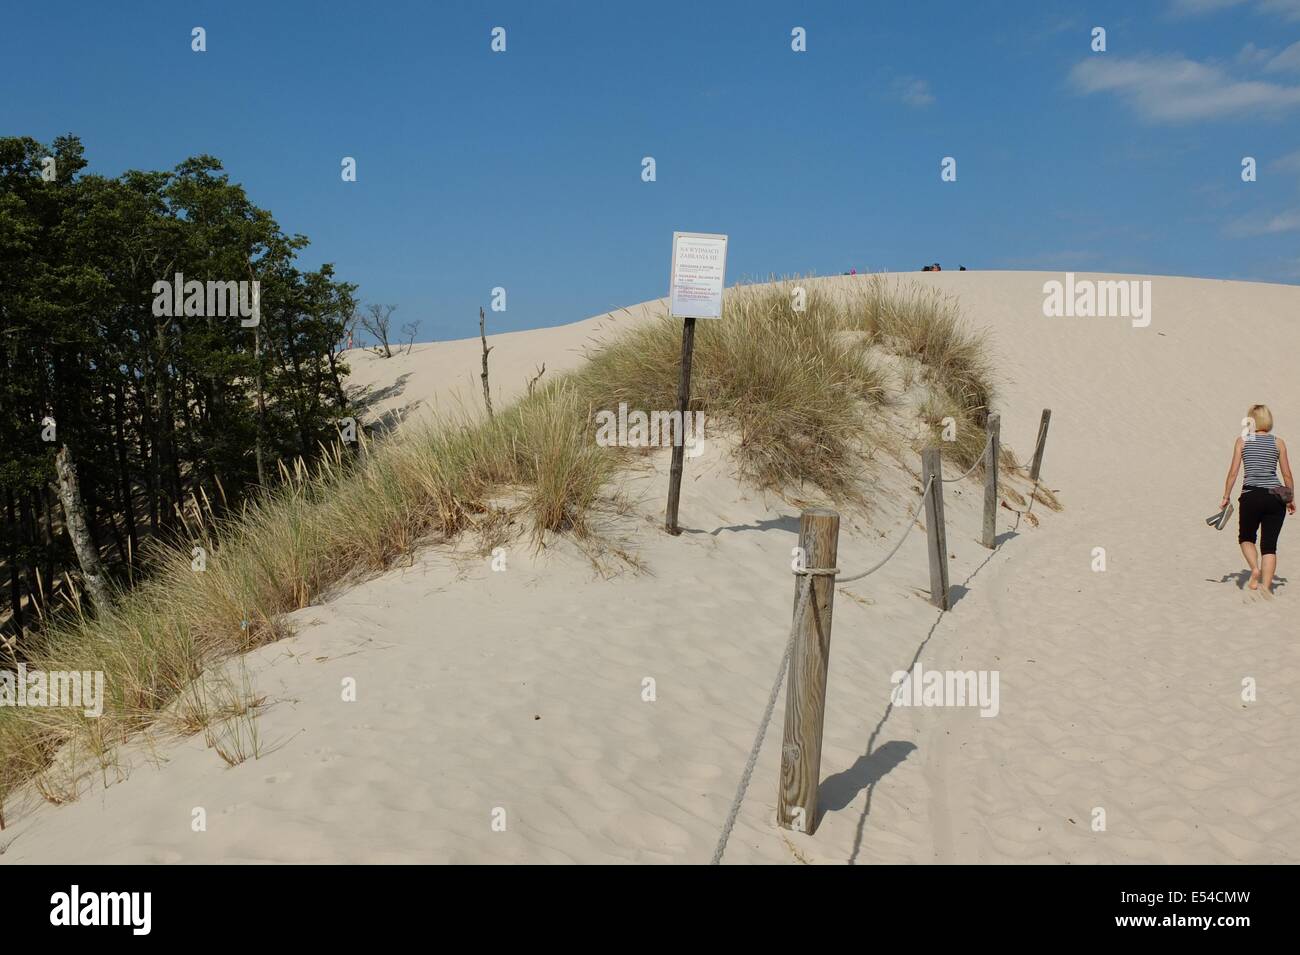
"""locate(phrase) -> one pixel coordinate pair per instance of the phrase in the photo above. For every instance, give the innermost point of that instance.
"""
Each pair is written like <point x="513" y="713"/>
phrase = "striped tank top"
<point x="1259" y="457"/>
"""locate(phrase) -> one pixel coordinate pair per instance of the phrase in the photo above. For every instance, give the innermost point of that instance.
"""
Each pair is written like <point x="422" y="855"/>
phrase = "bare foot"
<point x="1266" y="592"/>
<point x="1254" y="579"/>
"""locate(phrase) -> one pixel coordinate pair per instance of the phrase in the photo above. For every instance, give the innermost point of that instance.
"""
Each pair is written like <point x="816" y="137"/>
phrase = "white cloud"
<point x="1252" y="55"/>
<point x="1288" y="221"/>
<point x="1286" y="61"/>
<point x="1288" y="163"/>
<point x="1287" y="9"/>
<point x="1270" y="60"/>
<point x="912" y="91"/>
<point x="1174" y="89"/>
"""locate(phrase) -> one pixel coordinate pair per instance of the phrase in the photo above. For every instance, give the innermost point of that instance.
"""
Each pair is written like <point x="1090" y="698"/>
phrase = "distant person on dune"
<point x="1265" y="501"/>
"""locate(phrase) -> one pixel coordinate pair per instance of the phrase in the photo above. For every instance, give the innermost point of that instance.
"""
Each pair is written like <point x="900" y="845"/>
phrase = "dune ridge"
<point x="522" y="691"/>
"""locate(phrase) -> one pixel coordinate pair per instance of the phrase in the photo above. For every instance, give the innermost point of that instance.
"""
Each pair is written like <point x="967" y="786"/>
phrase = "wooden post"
<point x="1042" y="441"/>
<point x="932" y="466"/>
<point x="805" y="695"/>
<point x="679" y="446"/>
<point x="989" y="539"/>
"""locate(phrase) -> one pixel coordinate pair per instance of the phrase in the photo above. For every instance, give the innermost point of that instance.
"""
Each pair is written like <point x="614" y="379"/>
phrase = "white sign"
<point x="699" y="266"/>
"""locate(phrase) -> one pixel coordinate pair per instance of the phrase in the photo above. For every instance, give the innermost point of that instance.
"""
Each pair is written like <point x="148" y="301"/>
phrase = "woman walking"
<point x="1265" y="501"/>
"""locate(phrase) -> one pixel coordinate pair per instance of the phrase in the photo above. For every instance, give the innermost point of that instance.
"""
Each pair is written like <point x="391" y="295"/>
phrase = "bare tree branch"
<point x="487" y="392"/>
<point x="378" y="322"/>
<point x="409" y="330"/>
<point x="537" y="377"/>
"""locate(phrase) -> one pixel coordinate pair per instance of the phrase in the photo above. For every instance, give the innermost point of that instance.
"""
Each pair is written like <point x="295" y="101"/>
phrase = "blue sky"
<point x="522" y="169"/>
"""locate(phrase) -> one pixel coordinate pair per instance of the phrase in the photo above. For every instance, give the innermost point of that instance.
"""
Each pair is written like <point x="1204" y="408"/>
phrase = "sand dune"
<point x="521" y="691"/>
<point x="445" y="375"/>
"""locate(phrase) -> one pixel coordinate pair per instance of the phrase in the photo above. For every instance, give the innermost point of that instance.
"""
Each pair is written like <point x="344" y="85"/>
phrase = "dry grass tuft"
<point x="799" y="389"/>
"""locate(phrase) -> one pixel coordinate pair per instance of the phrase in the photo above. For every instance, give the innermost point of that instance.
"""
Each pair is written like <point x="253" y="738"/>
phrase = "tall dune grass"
<point x="798" y="387"/>
<point x="925" y="324"/>
<point x="789" y="382"/>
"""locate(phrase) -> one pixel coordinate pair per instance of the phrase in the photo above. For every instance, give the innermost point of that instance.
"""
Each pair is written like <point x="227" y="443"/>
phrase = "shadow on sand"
<point x="838" y="790"/>
<point x="875" y="762"/>
<point x="787" y="523"/>
<point x="364" y="400"/>
<point x="1241" y="577"/>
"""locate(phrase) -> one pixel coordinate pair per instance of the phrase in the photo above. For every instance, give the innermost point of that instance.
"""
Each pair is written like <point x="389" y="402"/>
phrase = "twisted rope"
<point x="805" y="589"/>
<point x="978" y="460"/>
<point x="888" y="557"/>
<point x="801" y="605"/>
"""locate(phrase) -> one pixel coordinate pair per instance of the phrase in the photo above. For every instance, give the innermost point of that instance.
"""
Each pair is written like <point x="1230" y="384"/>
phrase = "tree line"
<point x="144" y="413"/>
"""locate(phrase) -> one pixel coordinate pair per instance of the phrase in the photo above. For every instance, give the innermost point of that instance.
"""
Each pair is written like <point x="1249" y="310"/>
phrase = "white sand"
<point x="444" y="376"/>
<point x="1119" y="690"/>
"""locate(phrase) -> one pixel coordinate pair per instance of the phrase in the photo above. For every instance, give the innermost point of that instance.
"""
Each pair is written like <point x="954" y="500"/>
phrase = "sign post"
<point x="695" y="291"/>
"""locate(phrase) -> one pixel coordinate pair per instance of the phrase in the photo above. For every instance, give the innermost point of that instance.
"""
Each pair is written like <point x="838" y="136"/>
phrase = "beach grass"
<point x="795" y="381"/>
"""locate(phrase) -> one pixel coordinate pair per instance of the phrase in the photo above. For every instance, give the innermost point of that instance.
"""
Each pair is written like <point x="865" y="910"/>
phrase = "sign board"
<point x="699" y="266"/>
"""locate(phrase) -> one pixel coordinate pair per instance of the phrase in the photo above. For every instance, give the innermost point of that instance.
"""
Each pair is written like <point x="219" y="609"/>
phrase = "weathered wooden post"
<point x="679" y="444"/>
<point x="694" y="291"/>
<point x="990" y="536"/>
<point x="805" y="695"/>
<point x="1042" y="441"/>
<point x="932" y="467"/>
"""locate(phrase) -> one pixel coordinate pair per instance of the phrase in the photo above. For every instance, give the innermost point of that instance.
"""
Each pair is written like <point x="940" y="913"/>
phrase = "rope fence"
<point x="809" y="641"/>
<point x="805" y="589"/>
<point x="979" y="459"/>
<point x="911" y="522"/>
<point x="804" y="592"/>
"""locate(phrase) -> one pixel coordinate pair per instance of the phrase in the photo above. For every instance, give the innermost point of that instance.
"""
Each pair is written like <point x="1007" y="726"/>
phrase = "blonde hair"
<point x="1262" y="417"/>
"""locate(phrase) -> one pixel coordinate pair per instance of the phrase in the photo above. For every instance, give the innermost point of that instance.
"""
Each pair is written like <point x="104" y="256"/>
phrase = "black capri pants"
<point x="1260" y="510"/>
